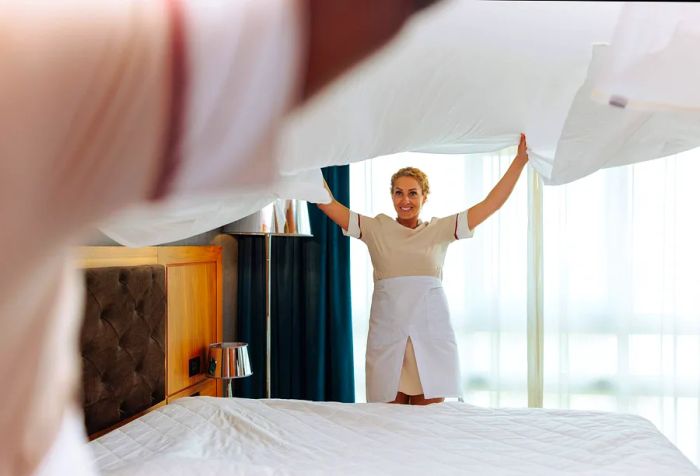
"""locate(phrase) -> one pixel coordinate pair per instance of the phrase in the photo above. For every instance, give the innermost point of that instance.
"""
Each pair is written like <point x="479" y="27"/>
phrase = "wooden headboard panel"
<point x="193" y="283"/>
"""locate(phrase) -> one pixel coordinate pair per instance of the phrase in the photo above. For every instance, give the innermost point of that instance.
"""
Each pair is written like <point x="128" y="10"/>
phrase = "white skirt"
<point x="412" y="307"/>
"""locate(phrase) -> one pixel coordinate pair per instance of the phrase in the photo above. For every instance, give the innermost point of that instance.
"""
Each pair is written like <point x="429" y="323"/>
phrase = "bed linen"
<point x="206" y="435"/>
<point x="654" y="68"/>
<point x="468" y="77"/>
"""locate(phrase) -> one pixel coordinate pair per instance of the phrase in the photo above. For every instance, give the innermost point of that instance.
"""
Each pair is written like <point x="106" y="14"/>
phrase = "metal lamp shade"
<point x="281" y="217"/>
<point x="229" y="360"/>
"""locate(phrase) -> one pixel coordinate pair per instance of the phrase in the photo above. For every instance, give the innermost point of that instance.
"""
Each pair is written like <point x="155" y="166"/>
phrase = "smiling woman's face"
<point x="408" y="198"/>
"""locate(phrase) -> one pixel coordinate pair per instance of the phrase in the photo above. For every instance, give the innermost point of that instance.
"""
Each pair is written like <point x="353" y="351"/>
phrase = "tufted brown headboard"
<point x="150" y="314"/>
<point x="122" y="343"/>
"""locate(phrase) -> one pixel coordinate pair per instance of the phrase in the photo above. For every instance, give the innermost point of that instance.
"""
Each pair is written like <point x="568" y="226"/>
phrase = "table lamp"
<point x="227" y="361"/>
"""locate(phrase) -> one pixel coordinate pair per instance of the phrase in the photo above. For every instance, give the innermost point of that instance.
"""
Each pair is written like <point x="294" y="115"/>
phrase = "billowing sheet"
<point x="596" y="135"/>
<point x="654" y="62"/>
<point x="177" y="219"/>
<point x="206" y="435"/>
<point x="468" y="77"/>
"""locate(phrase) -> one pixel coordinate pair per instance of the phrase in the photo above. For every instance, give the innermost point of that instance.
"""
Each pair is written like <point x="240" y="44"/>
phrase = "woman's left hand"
<point x="522" y="149"/>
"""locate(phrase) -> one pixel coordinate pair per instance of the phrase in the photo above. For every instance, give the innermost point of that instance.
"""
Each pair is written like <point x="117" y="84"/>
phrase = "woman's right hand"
<point x="334" y="210"/>
<point x="522" y="149"/>
<point x="328" y="189"/>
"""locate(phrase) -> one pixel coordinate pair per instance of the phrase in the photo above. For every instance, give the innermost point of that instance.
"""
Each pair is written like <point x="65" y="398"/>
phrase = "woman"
<point x="412" y="353"/>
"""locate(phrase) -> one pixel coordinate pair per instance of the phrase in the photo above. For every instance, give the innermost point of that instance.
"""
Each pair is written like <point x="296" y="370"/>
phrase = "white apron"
<point x="415" y="307"/>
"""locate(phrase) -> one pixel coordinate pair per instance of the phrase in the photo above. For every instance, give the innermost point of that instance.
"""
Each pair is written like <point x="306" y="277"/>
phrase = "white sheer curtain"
<point x="622" y="295"/>
<point x="485" y="277"/>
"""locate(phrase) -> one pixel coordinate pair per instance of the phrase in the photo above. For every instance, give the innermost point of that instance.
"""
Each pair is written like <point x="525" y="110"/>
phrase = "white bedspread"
<point x="205" y="435"/>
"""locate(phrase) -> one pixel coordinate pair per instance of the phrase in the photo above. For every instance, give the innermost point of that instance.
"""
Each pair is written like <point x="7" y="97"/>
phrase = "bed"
<point x="205" y="435"/>
<point x="183" y="434"/>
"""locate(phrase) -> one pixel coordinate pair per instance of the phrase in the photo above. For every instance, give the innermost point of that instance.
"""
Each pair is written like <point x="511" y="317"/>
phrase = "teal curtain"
<point x="311" y="310"/>
<point x="250" y="323"/>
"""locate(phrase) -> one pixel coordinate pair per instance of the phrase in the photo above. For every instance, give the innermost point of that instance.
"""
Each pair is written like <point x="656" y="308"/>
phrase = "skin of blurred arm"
<point x="340" y="33"/>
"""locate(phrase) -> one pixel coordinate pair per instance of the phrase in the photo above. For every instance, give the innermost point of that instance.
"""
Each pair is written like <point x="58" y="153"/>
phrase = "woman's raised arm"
<point x="500" y="193"/>
<point x="336" y="211"/>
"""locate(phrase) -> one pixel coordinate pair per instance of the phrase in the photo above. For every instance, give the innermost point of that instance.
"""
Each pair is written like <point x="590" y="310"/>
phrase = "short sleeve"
<point x="353" y="226"/>
<point x="451" y="228"/>
<point x="462" y="230"/>
<point x="362" y="227"/>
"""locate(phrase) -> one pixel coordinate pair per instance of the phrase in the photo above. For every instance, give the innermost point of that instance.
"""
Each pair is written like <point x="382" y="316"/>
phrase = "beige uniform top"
<point x="396" y="250"/>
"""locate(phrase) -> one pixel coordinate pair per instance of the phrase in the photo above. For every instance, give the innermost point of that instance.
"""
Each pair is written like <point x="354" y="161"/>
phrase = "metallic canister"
<point x="281" y="217"/>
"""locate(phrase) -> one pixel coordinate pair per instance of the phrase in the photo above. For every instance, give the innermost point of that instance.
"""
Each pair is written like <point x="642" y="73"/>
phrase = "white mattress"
<point x="206" y="435"/>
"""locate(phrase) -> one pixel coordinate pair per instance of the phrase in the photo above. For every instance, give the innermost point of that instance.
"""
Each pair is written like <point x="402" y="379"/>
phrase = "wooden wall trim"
<point x="206" y="387"/>
<point x="171" y="255"/>
<point x="174" y="257"/>
<point x="106" y="256"/>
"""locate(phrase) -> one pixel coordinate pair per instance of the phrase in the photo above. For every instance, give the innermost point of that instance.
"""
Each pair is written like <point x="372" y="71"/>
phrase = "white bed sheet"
<point x="205" y="435"/>
<point x="469" y="77"/>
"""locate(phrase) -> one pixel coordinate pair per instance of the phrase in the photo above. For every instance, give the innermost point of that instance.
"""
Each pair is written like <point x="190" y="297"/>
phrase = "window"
<point x="621" y="286"/>
<point x="622" y="295"/>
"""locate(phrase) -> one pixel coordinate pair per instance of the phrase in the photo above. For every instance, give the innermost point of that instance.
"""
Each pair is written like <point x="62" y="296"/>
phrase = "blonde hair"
<point x="414" y="173"/>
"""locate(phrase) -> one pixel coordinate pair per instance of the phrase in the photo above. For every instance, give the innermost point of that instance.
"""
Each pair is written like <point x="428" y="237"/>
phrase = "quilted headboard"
<point x="123" y="343"/>
<point x="150" y="315"/>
